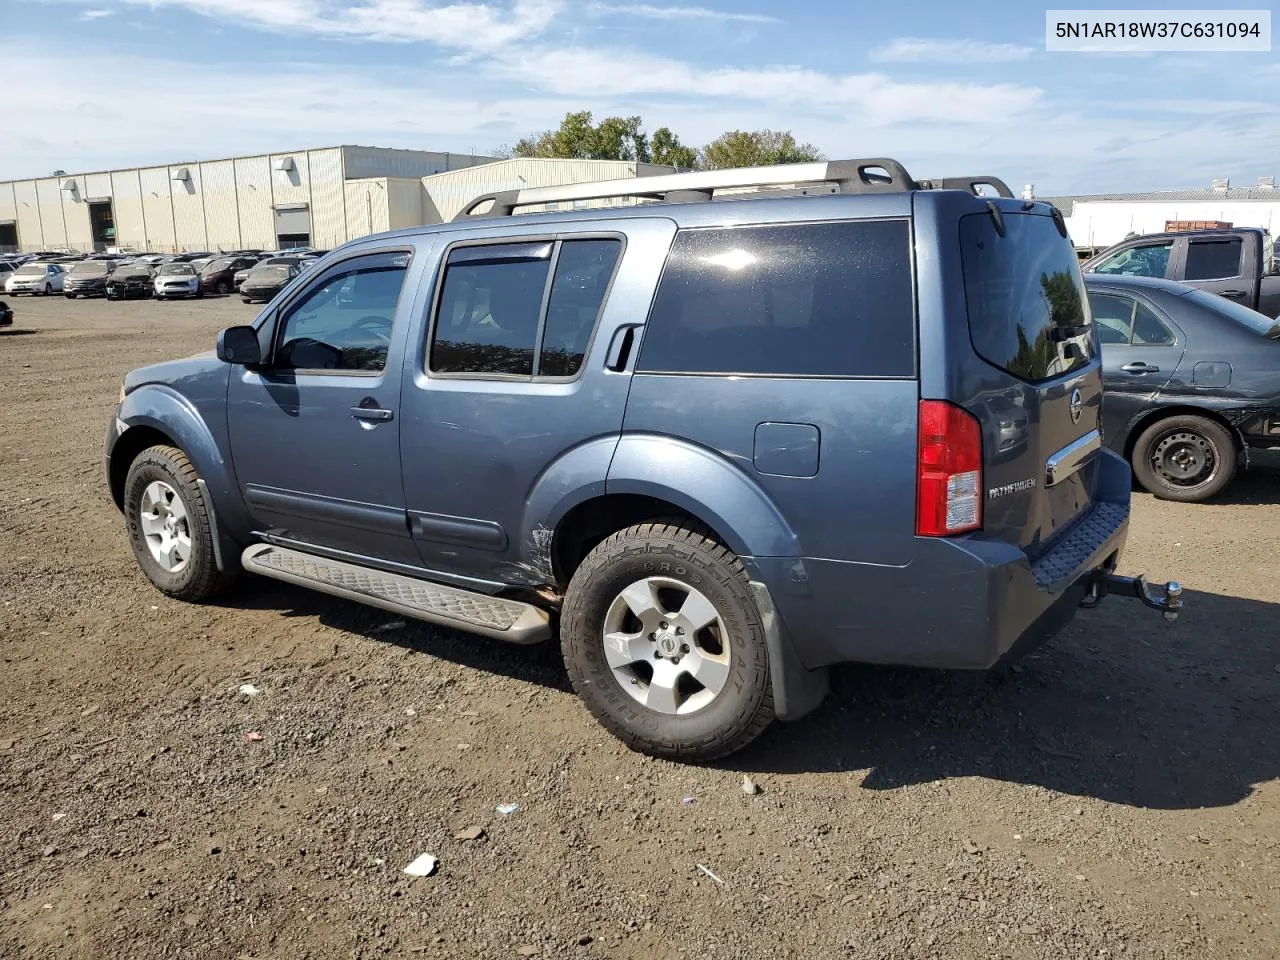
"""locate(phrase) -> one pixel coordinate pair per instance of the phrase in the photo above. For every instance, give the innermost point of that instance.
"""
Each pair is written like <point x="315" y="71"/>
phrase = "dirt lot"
<point x="1114" y="796"/>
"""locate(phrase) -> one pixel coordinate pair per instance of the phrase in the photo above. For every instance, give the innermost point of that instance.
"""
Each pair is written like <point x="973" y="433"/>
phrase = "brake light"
<point x="948" y="471"/>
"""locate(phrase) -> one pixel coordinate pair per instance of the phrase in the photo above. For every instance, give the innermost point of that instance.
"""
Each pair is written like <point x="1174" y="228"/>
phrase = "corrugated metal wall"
<point x="404" y="203"/>
<point x="75" y="214"/>
<point x="126" y="202"/>
<point x="157" y="207"/>
<point x="253" y="193"/>
<point x="221" y="212"/>
<point x="328" y="201"/>
<point x="230" y="204"/>
<point x="368" y="210"/>
<point x="448" y="193"/>
<point x="363" y="163"/>
<point x="52" y="224"/>
<point x="188" y="208"/>
<point x="30" y="229"/>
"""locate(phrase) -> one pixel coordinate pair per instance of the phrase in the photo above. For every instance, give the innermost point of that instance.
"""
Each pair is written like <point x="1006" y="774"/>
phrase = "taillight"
<point x="948" y="471"/>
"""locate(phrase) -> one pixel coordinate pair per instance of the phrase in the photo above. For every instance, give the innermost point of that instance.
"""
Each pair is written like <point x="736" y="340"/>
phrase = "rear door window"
<point x="1123" y="321"/>
<point x="806" y="300"/>
<point x="1028" y="313"/>
<point x="1213" y="259"/>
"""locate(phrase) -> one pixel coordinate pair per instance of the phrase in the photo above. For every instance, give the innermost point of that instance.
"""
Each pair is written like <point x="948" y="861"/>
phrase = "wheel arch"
<point x="1150" y="417"/>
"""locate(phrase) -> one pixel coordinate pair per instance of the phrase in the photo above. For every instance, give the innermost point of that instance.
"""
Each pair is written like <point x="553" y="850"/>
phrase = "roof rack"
<point x="870" y="175"/>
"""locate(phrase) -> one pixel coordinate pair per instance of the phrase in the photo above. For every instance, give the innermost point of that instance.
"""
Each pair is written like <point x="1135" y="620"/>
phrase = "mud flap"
<point x="797" y="691"/>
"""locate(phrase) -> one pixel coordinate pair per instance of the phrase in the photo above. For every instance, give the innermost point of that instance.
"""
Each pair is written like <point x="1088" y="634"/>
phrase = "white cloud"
<point x="96" y="14"/>
<point x="651" y="12"/>
<point x="917" y="50"/>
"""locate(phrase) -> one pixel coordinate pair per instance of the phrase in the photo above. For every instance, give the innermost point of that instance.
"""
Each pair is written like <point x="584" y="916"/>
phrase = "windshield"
<point x="31" y="270"/>
<point x="133" y="270"/>
<point x="1027" y="309"/>
<point x="270" y="271"/>
<point x="90" y="268"/>
<point x="177" y="270"/>
<point x="1259" y="323"/>
<point x="213" y="266"/>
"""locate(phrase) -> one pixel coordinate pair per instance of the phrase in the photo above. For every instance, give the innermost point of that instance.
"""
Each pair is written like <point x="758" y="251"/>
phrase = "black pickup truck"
<point x="1239" y="263"/>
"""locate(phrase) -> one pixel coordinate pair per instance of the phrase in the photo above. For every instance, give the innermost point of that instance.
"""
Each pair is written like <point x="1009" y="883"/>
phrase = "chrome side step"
<point x="495" y="617"/>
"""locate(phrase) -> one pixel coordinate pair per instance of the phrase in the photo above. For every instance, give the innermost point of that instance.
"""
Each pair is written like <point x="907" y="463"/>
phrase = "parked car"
<point x="131" y="281"/>
<point x="6" y="314"/>
<point x="36" y="277"/>
<point x="268" y="278"/>
<point x="7" y="269"/>
<point x="218" y="276"/>
<point x="87" y="278"/>
<point x="1192" y="383"/>
<point x="721" y="448"/>
<point x="1238" y="264"/>
<point x="178" y="279"/>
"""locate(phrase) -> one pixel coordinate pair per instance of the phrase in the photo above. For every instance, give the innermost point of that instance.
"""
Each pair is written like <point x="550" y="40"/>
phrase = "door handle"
<point x="375" y="414"/>
<point x="1233" y="293"/>
<point x="621" y="347"/>
<point x="1140" y="367"/>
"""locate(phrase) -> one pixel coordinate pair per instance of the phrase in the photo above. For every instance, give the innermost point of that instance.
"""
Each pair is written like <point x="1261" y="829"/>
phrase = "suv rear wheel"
<point x="169" y="527"/>
<point x="1185" y="457"/>
<point x="663" y="642"/>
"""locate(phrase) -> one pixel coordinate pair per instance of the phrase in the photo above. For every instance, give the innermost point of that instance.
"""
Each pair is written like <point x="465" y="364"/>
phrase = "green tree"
<point x="756" y="148"/>
<point x="577" y="138"/>
<point x="667" y="150"/>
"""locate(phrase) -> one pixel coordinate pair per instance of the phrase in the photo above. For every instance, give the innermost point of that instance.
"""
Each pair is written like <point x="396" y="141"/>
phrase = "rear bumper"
<point x="961" y="603"/>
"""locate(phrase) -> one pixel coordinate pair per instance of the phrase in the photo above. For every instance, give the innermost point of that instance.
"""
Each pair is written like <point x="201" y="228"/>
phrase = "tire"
<point x="221" y="288"/>
<point x="199" y="294"/>
<point x="196" y="577"/>
<point x="48" y="289"/>
<point x="1185" y="458"/>
<point x="681" y="563"/>
<point x="69" y="296"/>
<point x="246" y="300"/>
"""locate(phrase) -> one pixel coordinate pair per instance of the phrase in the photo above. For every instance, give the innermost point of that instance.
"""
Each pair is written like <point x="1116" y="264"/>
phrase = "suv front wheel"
<point x="169" y="526"/>
<point x="663" y="642"/>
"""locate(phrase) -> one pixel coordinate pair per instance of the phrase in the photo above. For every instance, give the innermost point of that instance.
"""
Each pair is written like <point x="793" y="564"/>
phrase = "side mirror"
<point x="239" y="345"/>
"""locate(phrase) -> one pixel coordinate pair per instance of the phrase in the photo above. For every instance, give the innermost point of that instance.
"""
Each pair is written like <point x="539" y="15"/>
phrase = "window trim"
<point x="1205" y="241"/>
<point x="277" y="316"/>
<point x="915" y="304"/>
<point x="558" y="239"/>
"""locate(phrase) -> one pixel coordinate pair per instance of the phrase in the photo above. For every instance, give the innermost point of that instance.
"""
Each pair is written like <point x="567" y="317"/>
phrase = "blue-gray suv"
<point x="745" y="426"/>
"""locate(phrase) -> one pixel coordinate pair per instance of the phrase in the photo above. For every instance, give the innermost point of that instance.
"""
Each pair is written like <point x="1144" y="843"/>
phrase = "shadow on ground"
<point x="17" y="332"/>
<point x="1122" y="706"/>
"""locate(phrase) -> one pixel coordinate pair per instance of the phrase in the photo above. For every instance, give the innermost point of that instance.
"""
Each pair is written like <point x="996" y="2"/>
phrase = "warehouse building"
<point x="1098" y="220"/>
<point x="314" y="197"/>
<point x="318" y="198"/>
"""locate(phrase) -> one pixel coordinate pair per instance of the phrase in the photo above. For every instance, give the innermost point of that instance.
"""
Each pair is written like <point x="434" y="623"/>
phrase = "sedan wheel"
<point x="1186" y="458"/>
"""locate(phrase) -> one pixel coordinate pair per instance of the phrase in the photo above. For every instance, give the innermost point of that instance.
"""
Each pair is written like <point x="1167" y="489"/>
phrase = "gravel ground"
<point x="1112" y="796"/>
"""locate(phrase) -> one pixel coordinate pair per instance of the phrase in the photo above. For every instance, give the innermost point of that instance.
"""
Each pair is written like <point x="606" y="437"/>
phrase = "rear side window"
<point x="811" y="299"/>
<point x="1123" y="320"/>
<point x="1028" y="314"/>
<point x="1213" y="259"/>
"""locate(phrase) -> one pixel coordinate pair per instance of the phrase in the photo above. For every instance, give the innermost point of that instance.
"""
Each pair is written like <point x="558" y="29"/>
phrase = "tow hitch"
<point x="1165" y="597"/>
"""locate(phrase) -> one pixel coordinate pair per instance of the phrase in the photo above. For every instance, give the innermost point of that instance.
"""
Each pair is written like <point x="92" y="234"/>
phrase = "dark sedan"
<point x="267" y="279"/>
<point x="218" y="276"/>
<point x="131" y="280"/>
<point x="87" y="279"/>
<point x="1192" y="382"/>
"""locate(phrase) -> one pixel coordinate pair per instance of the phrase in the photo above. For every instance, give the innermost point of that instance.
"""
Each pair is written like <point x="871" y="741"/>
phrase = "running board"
<point x="495" y="617"/>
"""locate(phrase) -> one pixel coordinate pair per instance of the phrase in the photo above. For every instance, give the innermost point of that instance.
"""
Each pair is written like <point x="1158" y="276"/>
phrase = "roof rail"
<point x="869" y="175"/>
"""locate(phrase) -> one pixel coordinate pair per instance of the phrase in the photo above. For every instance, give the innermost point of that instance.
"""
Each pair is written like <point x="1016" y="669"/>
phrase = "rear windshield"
<point x="177" y="270"/>
<point x="213" y="266"/>
<point x="1028" y="314"/>
<point x="1259" y="323"/>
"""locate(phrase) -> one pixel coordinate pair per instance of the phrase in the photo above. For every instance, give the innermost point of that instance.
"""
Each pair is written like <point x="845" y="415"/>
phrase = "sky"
<point x="947" y="88"/>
